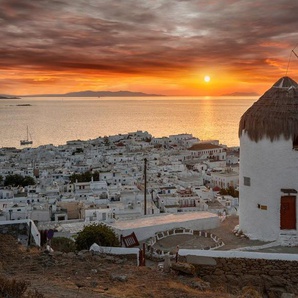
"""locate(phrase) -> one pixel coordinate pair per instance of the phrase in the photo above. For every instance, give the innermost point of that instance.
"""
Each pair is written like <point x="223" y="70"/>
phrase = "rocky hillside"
<point x="84" y="275"/>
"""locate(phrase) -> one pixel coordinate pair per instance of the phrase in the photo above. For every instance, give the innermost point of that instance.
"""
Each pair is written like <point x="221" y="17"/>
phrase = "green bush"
<point x="100" y="234"/>
<point x="63" y="244"/>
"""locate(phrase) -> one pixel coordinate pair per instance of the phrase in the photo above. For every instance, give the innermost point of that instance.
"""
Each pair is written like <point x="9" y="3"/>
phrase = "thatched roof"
<point x="274" y="114"/>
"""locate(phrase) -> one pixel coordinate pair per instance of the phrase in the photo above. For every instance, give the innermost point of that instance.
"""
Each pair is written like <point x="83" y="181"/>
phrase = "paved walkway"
<point x="184" y="241"/>
<point x="225" y="232"/>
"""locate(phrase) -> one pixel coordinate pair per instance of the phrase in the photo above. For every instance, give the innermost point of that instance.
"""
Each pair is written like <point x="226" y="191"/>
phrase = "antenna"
<point x="290" y="58"/>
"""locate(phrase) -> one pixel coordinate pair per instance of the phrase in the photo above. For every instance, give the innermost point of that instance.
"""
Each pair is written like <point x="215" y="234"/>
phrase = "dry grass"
<point x="250" y="292"/>
<point x="17" y="289"/>
<point x="71" y="277"/>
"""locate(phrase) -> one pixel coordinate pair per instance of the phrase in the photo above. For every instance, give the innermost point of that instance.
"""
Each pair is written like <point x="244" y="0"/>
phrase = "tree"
<point x="63" y="244"/>
<point x="84" y="177"/>
<point x="100" y="234"/>
<point x="18" y="180"/>
<point x="231" y="191"/>
<point x="106" y="141"/>
<point x="28" y="181"/>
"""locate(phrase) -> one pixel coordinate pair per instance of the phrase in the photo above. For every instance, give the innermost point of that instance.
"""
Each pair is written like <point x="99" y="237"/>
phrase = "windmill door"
<point x="288" y="213"/>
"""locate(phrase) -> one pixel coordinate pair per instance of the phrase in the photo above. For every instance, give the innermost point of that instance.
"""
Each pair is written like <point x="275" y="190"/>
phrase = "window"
<point x="295" y="143"/>
<point x="246" y="181"/>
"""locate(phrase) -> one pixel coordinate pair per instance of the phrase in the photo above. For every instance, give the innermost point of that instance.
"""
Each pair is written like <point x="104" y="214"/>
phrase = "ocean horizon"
<point x="56" y="120"/>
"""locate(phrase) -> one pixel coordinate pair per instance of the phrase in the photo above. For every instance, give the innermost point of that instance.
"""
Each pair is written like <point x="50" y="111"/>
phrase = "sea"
<point x="56" y="120"/>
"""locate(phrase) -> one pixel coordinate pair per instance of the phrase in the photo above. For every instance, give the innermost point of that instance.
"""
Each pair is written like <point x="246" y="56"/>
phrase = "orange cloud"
<point x="165" y="47"/>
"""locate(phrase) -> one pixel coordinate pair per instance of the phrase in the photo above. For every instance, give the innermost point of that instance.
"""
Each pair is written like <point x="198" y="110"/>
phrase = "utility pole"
<point x="29" y="234"/>
<point x="145" y="186"/>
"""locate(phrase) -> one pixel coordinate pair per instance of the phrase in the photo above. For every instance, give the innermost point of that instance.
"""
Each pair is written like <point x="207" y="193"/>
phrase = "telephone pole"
<point x="145" y="186"/>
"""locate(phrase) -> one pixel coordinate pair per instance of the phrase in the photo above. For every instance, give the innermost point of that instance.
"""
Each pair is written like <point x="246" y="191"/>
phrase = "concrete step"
<point x="288" y="239"/>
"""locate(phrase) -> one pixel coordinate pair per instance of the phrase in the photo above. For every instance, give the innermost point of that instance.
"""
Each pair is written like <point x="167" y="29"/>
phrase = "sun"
<point x="207" y="79"/>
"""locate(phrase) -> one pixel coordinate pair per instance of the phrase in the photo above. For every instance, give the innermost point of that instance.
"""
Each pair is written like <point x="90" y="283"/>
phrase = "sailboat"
<point x="26" y="141"/>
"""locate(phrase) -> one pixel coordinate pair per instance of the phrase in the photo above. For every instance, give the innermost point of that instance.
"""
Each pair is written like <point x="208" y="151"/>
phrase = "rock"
<point x="122" y="278"/>
<point x="184" y="268"/>
<point x="56" y="253"/>
<point x="94" y="284"/>
<point x="83" y="252"/>
<point x="274" y="281"/>
<point x="200" y="284"/>
<point x="250" y="292"/>
<point x="167" y="264"/>
<point x="70" y="255"/>
<point x="287" y="295"/>
<point x="80" y="284"/>
<point x="120" y="261"/>
<point x="110" y="259"/>
<point x="276" y="291"/>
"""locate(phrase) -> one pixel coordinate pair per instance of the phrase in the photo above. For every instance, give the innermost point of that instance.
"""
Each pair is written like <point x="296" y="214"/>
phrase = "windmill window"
<point x="246" y="181"/>
<point x="295" y="143"/>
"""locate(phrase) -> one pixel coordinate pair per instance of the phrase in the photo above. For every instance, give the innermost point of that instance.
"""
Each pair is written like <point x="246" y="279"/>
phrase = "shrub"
<point x="63" y="244"/>
<point x="34" y="294"/>
<point x="12" y="288"/>
<point x="100" y="234"/>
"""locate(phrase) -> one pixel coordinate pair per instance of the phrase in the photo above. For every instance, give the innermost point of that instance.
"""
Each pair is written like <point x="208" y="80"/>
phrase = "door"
<point x="288" y="213"/>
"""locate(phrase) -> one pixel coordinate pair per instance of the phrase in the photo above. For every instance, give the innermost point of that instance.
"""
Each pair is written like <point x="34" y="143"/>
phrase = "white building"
<point x="225" y="179"/>
<point x="207" y="150"/>
<point x="268" y="183"/>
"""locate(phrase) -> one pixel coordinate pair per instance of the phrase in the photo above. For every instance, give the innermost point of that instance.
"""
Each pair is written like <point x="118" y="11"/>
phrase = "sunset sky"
<point x="157" y="46"/>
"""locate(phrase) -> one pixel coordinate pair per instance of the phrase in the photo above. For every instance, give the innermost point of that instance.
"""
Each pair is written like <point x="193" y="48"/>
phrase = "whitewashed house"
<point x="207" y="150"/>
<point x="6" y="193"/>
<point x="268" y="134"/>
<point x="225" y="179"/>
<point x="104" y="214"/>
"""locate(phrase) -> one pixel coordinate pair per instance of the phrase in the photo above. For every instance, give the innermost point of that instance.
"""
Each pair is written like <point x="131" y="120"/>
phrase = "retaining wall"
<point x="271" y="274"/>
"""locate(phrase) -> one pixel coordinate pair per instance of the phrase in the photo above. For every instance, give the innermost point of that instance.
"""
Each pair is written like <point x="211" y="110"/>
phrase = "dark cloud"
<point x="146" y="36"/>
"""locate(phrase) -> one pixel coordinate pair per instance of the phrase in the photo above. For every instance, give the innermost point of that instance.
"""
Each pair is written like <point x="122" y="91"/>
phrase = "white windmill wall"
<point x="270" y="166"/>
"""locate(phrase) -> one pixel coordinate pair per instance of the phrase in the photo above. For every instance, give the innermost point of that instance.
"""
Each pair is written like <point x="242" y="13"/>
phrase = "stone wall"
<point x="270" y="277"/>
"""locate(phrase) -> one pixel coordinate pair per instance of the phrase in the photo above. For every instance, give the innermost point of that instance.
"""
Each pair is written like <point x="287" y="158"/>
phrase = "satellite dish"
<point x="50" y="234"/>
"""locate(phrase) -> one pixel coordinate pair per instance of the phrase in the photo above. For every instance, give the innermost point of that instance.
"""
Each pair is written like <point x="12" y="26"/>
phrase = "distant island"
<point x="9" y="97"/>
<point x="241" y="94"/>
<point x="89" y="93"/>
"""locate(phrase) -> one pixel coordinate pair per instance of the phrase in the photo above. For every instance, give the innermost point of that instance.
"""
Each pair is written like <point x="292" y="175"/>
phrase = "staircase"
<point x="289" y="238"/>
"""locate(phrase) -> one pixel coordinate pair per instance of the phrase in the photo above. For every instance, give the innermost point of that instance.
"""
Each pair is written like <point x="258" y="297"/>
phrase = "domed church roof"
<point x="274" y="114"/>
